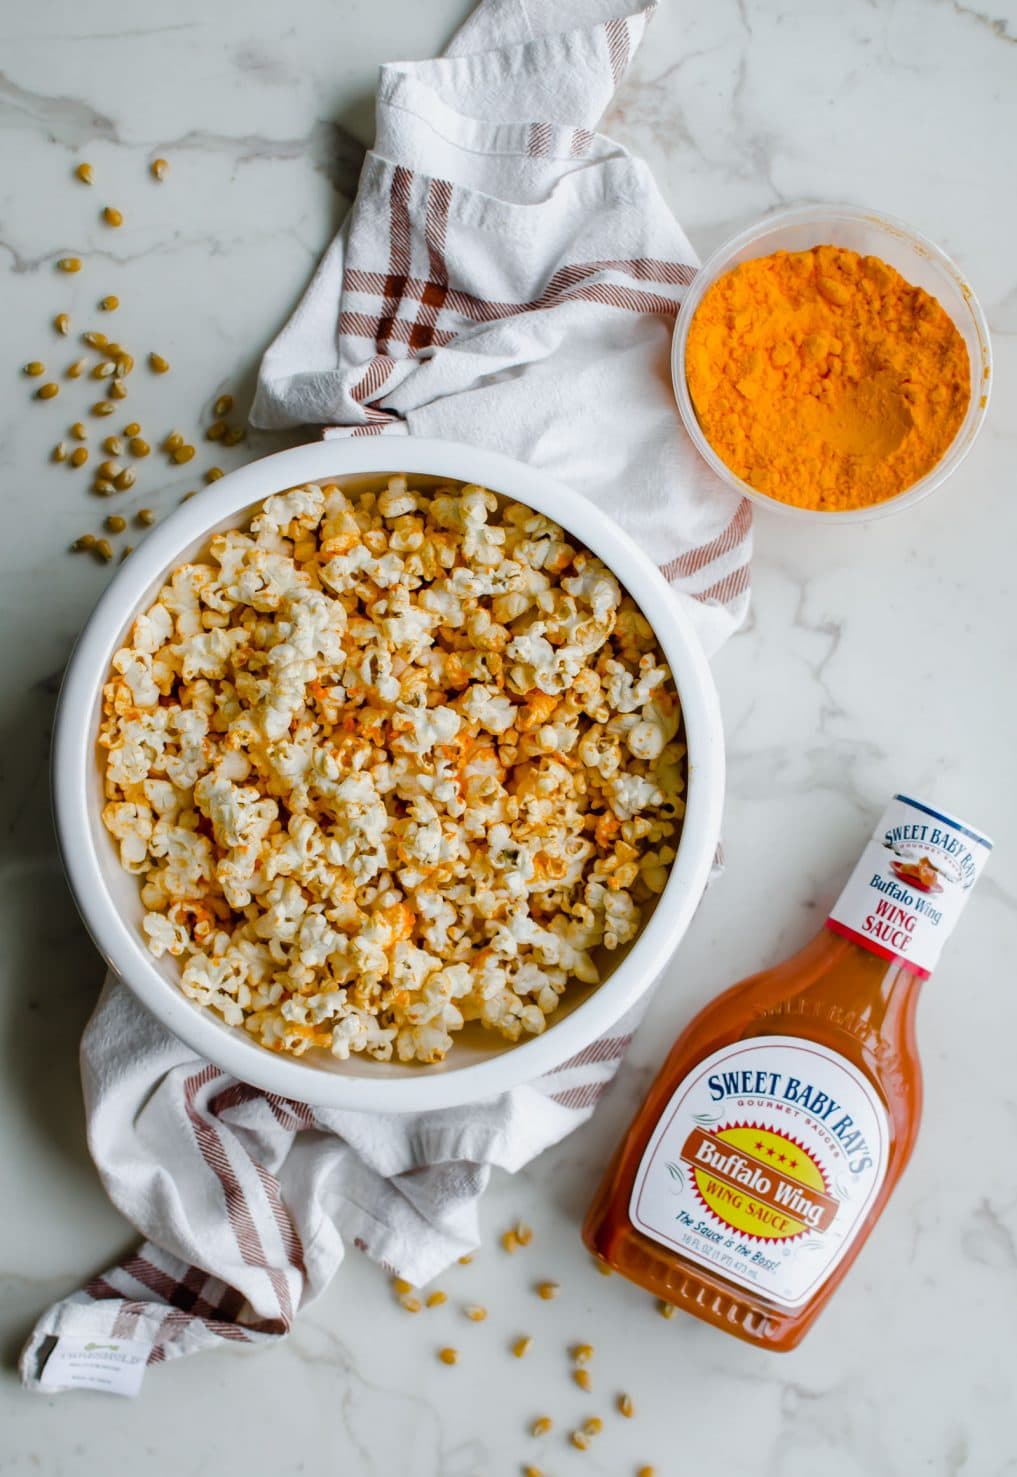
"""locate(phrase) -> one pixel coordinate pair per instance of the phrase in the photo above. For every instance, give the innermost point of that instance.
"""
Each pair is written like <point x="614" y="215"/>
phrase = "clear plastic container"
<point x="918" y="260"/>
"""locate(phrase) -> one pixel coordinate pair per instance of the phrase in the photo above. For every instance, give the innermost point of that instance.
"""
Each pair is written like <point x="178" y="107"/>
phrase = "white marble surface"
<point x="875" y="657"/>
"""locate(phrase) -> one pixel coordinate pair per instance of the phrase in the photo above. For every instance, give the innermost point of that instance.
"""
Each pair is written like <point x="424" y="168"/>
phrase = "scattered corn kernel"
<point x="647" y="1472"/>
<point x="173" y="441"/>
<point x="666" y="1310"/>
<point x="132" y="429"/>
<point x="522" y="1347"/>
<point x="233" y="436"/>
<point x="436" y="1298"/>
<point x="109" y="304"/>
<point x="79" y="431"/>
<point x="69" y="264"/>
<point x="103" y="407"/>
<point x="146" y="517"/>
<point x="79" y="456"/>
<point x="475" y="1312"/>
<point x="593" y="1426"/>
<point x="46" y="392"/>
<point x="582" y="1379"/>
<point x="62" y="323"/>
<point x="84" y="173"/>
<point x="548" y="1290"/>
<point x="532" y="1472"/>
<point x="159" y="168"/>
<point x="523" y="1233"/>
<point x="102" y="487"/>
<point x="125" y="480"/>
<point x="542" y="1425"/>
<point x="118" y="389"/>
<point x="214" y="473"/>
<point x="464" y="1261"/>
<point x="603" y="1268"/>
<point x="94" y="339"/>
<point x="158" y="364"/>
<point x="112" y="216"/>
<point x="222" y="406"/>
<point x="625" y="1406"/>
<point x="510" y="1241"/>
<point x="127" y="549"/>
<point x="116" y="524"/>
<point x="104" y="370"/>
<point x="187" y="496"/>
<point x="59" y="452"/>
<point x="399" y="1284"/>
<point x="104" y="549"/>
<point x="113" y="446"/>
<point x="77" y="369"/>
<point x="410" y="1303"/>
<point x="582" y="1353"/>
<point x="137" y="447"/>
<point x="580" y="1440"/>
<point x="34" y="368"/>
<point x="448" y="1356"/>
<point x="216" y="431"/>
<point x="85" y="541"/>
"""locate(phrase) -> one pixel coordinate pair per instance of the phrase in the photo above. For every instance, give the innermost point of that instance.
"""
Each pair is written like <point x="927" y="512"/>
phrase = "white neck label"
<point x="910" y="885"/>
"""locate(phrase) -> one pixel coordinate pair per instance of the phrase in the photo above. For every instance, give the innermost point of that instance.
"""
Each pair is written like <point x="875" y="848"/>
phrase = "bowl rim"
<point x="817" y="214"/>
<point x="74" y="753"/>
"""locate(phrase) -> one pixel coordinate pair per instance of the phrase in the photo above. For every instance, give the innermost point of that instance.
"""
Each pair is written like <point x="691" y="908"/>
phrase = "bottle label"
<point x="911" y="882"/>
<point x="764" y="1165"/>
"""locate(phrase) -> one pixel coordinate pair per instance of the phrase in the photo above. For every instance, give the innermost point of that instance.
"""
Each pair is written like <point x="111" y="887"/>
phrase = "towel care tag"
<point x="114" y="1365"/>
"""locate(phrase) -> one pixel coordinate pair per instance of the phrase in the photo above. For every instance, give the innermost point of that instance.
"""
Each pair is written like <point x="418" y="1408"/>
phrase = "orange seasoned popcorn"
<point x="412" y="758"/>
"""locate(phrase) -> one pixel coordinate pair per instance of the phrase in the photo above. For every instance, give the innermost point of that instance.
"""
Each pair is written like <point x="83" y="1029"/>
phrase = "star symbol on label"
<point x="781" y="1158"/>
<point x="770" y="1153"/>
<point x="759" y="1143"/>
<point x="794" y="1164"/>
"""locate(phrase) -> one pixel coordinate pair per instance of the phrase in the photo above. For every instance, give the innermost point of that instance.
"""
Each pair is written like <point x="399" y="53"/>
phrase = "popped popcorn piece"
<point x="388" y="764"/>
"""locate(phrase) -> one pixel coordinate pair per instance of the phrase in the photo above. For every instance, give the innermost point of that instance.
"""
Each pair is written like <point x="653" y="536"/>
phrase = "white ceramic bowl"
<point x="919" y="260"/>
<point x="481" y="1064"/>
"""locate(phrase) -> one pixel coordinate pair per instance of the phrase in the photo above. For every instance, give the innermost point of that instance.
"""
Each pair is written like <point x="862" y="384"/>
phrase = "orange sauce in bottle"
<point x="787" y="1111"/>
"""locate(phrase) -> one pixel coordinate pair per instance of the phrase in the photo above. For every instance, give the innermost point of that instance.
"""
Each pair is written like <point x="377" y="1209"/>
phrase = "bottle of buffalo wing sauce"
<point x="787" y="1111"/>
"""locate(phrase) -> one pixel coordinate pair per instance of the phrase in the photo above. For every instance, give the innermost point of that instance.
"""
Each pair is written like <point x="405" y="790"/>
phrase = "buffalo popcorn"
<point x="389" y="764"/>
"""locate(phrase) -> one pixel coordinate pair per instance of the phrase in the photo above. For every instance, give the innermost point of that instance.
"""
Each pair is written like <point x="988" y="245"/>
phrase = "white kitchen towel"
<point x="507" y="283"/>
<point x="510" y="278"/>
<point x="248" y="1201"/>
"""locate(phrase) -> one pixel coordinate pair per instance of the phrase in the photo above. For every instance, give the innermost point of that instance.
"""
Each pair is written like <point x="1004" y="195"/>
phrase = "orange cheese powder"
<point x="823" y="379"/>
